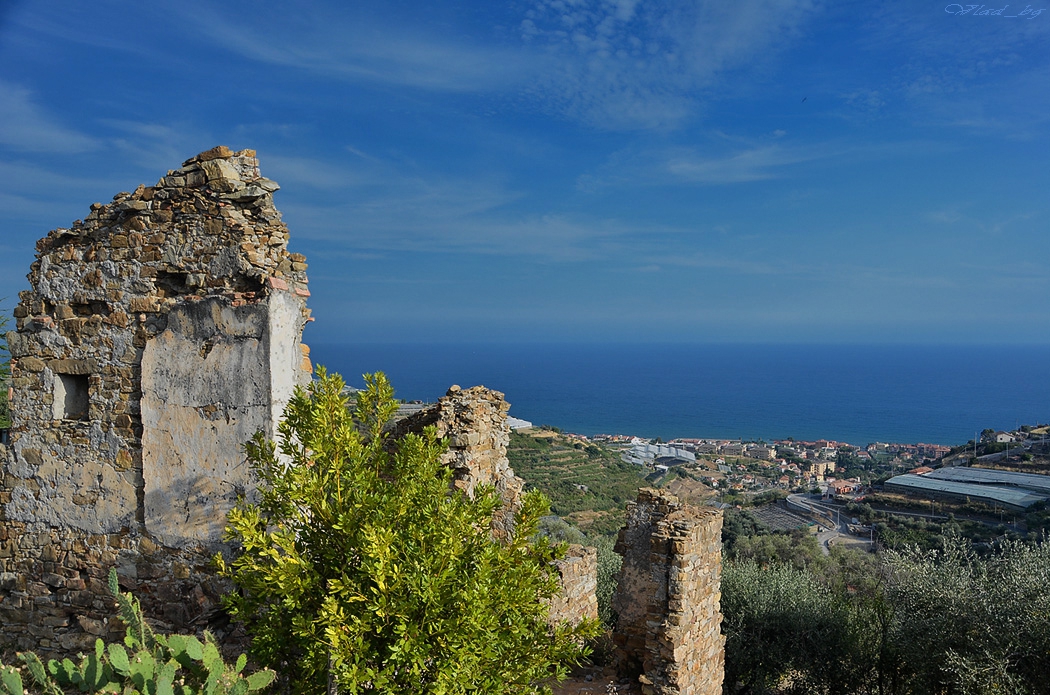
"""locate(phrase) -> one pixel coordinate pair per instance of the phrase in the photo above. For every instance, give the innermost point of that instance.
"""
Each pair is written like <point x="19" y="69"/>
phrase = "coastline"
<point x="856" y="394"/>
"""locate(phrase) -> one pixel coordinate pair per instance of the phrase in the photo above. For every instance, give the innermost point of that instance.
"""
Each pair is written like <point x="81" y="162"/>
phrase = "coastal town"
<point x="1003" y="469"/>
<point x="877" y="495"/>
<point x="787" y="463"/>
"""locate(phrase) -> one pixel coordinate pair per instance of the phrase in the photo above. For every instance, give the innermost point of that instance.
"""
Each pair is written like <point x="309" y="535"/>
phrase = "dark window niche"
<point x="71" y="397"/>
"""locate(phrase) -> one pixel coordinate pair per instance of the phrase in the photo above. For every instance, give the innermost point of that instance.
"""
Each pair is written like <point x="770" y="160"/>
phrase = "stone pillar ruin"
<point x="578" y="576"/>
<point x="668" y="633"/>
<point x="158" y="335"/>
<point x="475" y="422"/>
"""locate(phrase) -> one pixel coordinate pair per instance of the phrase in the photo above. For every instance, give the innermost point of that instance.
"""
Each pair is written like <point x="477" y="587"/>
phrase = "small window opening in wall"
<point x="71" y="396"/>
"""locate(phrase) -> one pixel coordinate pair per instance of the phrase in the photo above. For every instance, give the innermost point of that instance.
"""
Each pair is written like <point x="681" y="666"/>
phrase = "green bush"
<point x="609" y="564"/>
<point x="357" y="564"/>
<point x="787" y="633"/>
<point x="970" y="624"/>
<point x="145" y="664"/>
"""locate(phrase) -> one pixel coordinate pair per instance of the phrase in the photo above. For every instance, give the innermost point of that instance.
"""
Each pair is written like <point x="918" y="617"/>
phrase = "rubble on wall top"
<point x="233" y="175"/>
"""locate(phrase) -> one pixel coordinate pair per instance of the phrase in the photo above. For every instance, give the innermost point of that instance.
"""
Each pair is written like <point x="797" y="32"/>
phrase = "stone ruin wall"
<point x="668" y="633"/>
<point x="475" y="422"/>
<point x="578" y="574"/>
<point x="158" y="335"/>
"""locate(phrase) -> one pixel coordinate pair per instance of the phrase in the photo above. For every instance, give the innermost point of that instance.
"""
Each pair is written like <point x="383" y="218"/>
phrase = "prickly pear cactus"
<point x="145" y="664"/>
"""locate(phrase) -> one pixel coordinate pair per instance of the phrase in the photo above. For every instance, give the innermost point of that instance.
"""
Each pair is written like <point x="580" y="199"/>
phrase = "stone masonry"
<point x="158" y="335"/>
<point x="578" y="574"/>
<point x="475" y="422"/>
<point x="669" y="630"/>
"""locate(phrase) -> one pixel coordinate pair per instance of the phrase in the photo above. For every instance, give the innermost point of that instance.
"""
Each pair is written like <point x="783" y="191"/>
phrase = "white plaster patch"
<point x="23" y="506"/>
<point x="286" y="329"/>
<point x="206" y="391"/>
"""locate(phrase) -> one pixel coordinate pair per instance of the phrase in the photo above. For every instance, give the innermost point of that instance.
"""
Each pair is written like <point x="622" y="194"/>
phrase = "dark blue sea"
<point x="856" y="394"/>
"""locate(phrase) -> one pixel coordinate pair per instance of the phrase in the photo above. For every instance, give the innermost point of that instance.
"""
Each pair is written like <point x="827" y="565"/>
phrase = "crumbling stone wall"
<point x="669" y="627"/>
<point x="578" y="599"/>
<point x="157" y="335"/>
<point x="475" y="422"/>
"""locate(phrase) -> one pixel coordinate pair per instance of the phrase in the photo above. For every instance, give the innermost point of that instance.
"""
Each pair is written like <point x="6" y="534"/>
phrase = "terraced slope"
<point x="588" y="484"/>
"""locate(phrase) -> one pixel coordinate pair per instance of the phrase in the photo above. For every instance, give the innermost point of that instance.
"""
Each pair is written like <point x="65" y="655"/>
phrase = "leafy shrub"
<point x="609" y="564"/>
<point x="972" y="624"/>
<point x="357" y="564"/>
<point x="909" y="622"/>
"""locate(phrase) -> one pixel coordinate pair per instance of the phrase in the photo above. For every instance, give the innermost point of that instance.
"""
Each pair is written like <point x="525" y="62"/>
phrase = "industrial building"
<point x="993" y="490"/>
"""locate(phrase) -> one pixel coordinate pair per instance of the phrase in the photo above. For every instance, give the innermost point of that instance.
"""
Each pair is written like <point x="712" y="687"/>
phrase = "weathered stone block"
<point x="30" y="364"/>
<point x="219" y="152"/>
<point x="79" y="367"/>
<point x="140" y="304"/>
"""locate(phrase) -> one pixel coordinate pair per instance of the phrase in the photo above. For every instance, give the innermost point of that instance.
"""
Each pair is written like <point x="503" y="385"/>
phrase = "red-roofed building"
<point x="842" y="487"/>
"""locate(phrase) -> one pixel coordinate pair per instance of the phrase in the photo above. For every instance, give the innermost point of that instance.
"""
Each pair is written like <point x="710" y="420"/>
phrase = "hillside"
<point x="587" y="483"/>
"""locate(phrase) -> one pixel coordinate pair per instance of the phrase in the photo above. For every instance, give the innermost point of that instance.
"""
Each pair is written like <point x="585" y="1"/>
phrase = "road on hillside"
<point x="821" y="505"/>
<point x="831" y="527"/>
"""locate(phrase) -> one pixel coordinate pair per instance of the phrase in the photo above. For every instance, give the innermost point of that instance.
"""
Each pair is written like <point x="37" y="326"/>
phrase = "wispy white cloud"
<point x="989" y="224"/>
<point x="28" y="178"/>
<point x="734" y="264"/>
<point x="748" y="165"/>
<point x="465" y="224"/>
<point x="25" y="126"/>
<point x="290" y="170"/>
<point x="29" y="202"/>
<point x="477" y="217"/>
<point x="724" y="159"/>
<point x="614" y="64"/>
<point x="37" y="28"/>
<point x="158" y="146"/>
<point x="977" y="73"/>
<point x="354" y="47"/>
<point x="375" y="207"/>
<point x="755" y="162"/>
<point x="644" y="64"/>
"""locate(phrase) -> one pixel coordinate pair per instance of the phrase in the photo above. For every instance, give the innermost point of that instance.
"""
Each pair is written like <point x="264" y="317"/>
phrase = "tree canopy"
<point x="908" y="622"/>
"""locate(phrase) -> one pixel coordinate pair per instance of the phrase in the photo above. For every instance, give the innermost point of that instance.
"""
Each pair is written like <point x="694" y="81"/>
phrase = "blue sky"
<point x="543" y="170"/>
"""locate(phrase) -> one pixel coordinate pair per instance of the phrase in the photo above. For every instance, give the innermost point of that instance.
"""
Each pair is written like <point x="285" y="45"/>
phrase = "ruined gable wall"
<point x="158" y="335"/>
<point x="157" y="331"/>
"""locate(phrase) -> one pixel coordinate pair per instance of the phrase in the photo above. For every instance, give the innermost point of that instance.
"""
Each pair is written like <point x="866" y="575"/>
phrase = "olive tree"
<point x="786" y="632"/>
<point x="970" y="624"/>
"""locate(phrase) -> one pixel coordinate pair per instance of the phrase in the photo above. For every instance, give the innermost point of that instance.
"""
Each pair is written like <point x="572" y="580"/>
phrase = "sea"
<point x="858" y="394"/>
